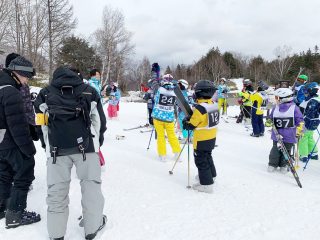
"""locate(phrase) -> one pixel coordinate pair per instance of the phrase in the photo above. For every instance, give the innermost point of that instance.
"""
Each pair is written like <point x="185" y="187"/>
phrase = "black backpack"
<point x="69" y="121"/>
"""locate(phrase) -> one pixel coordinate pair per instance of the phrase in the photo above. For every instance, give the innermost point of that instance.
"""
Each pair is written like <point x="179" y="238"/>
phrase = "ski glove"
<point x="269" y="123"/>
<point x="299" y="131"/>
<point x="186" y="125"/>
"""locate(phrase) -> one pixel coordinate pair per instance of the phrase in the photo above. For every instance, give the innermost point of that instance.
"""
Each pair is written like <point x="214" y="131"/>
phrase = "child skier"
<point x="222" y="95"/>
<point x="112" y="107"/>
<point x="204" y="121"/>
<point x="307" y="144"/>
<point x="183" y="85"/>
<point x="245" y="103"/>
<point x="259" y="103"/>
<point x="288" y="120"/>
<point x="163" y="117"/>
<point x="149" y="97"/>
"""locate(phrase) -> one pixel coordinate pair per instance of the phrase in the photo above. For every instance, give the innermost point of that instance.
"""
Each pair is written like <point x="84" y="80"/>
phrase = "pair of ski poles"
<point x="175" y="163"/>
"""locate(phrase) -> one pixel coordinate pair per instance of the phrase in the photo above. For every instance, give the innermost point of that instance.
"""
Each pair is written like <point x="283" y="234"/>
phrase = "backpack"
<point x="69" y="121"/>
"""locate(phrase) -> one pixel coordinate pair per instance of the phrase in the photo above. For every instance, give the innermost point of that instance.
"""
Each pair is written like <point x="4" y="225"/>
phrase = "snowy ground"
<point x="144" y="202"/>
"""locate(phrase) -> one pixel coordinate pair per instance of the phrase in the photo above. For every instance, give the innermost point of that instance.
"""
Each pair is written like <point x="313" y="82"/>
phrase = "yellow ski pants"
<point x="222" y="103"/>
<point x="161" y="127"/>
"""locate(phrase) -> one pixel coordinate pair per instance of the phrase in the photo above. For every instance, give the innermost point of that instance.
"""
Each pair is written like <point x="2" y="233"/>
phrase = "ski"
<point x="120" y="137"/>
<point x="183" y="103"/>
<point x="144" y="131"/>
<point x="286" y="155"/>
<point x="133" y="128"/>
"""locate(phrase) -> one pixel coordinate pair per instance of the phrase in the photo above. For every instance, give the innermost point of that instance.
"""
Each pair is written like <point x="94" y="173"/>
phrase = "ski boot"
<point x="203" y="188"/>
<point x="19" y="218"/>
<point x="163" y="158"/>
<point x="271" y="168"/>
<point x="3" y="208"/>
<point x="314" y="156"/>
<point x="103" y="224"/>
<point x="283" y="170"/>
<point x="304" y="159"/>
<point x="254" y="135"/>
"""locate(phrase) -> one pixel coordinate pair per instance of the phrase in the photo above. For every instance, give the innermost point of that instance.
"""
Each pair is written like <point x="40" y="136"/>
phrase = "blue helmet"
<point x="311" y="89"/>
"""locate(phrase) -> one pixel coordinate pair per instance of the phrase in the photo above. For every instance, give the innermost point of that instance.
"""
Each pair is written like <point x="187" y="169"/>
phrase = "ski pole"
<point x="310" y="154"/>
<point x="188" y="186"/>
<point x="171" y="171"/>
<point x="295" y="81"/>
<point x="297" y="155"/>
<point x="150" y="138"/>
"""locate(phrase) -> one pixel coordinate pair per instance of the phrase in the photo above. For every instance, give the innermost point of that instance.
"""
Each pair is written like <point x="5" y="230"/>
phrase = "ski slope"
<point x="144" y="202"/>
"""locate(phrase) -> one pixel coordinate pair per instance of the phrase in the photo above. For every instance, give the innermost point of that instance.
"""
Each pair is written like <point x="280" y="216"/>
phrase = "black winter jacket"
<point x="64" y="77"/>
<point x="14" y="128"/>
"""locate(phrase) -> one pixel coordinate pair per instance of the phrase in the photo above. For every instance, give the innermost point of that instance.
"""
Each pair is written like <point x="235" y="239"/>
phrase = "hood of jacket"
<point x="6" y="79"/>
<point x="63" y="76"/>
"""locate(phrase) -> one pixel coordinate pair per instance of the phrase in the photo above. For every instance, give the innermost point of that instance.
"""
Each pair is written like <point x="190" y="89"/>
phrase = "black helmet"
<point x="204" y="89"/>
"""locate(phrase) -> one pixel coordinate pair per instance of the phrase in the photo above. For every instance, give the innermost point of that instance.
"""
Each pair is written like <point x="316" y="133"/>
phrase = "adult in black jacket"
<point x="16" y="146"/>
<point x="65" y="138"/>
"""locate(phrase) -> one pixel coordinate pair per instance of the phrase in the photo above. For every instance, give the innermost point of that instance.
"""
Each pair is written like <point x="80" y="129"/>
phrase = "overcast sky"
<point x="181" y="31"/>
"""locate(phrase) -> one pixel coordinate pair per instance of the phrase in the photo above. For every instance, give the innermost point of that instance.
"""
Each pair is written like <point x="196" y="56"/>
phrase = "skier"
<point x="222" y="96"/>
<point x="245" y="103"/>
<point x="311" y="115"/>
<point x="163" y="117"/>
<point x="183" y="85"/>
<point x="117" y="94"/>
<point x="112" y="107"/>
<point x="16" y="146"/>
<point x="149" y="97"/>
<point x="259" y="103"/>
<point x="203" y="122"/>
<point x="73" y="123"/>
<point x="288" y="120"/>
<point x="299" y="92"/>
<point x="95" y="81"/>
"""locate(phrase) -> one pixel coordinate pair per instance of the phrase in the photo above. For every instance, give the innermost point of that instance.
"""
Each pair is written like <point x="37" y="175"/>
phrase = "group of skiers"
<point x="71" y="123"/>
<point x="200" y="126"/>
<point x="295" y="117"/>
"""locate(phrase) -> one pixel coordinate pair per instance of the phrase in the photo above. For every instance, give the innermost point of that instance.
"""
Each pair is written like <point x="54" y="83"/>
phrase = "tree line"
<point x="42" y="30"/>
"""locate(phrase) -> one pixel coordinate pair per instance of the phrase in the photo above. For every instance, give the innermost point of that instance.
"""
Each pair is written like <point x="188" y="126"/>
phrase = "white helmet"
<point x="168" y="77"/>
<point x="284" y="94"/>
<point x="222" y="79"/>
<point x="165" y="82"/>
<point x="184" y="83"/>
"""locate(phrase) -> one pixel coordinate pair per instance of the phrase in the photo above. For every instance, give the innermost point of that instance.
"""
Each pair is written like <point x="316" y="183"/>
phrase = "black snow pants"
<point x="16" y="176"/>
<point x="204" y="162"/>
<point x="276" y="158"/>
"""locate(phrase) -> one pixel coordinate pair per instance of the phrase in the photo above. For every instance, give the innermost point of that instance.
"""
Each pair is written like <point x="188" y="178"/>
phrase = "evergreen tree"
<point x="77" y="53"/>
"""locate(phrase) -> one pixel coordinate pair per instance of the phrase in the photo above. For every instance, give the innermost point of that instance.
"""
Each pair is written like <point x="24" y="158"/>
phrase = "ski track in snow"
<point x="144" y="202"/>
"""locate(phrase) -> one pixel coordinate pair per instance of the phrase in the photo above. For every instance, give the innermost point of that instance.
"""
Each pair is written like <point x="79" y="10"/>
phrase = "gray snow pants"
<point x="276" y="158"/>
<point x="58" y="181"/>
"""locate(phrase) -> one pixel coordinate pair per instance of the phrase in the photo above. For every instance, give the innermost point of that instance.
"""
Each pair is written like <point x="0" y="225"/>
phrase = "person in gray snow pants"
<point x="58" y="180"/>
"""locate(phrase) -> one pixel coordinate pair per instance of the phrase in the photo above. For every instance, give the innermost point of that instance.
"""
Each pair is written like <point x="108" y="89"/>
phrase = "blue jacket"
<point x="311" y="113"/>
<point x="222" y="90"/>
<point x="94" y="82"/>
<point x="299" y="94"/>
<point x="164" y="101"/>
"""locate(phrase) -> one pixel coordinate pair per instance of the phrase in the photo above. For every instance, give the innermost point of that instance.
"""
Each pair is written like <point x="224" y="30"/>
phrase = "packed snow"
<point x="144" y="202"/>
